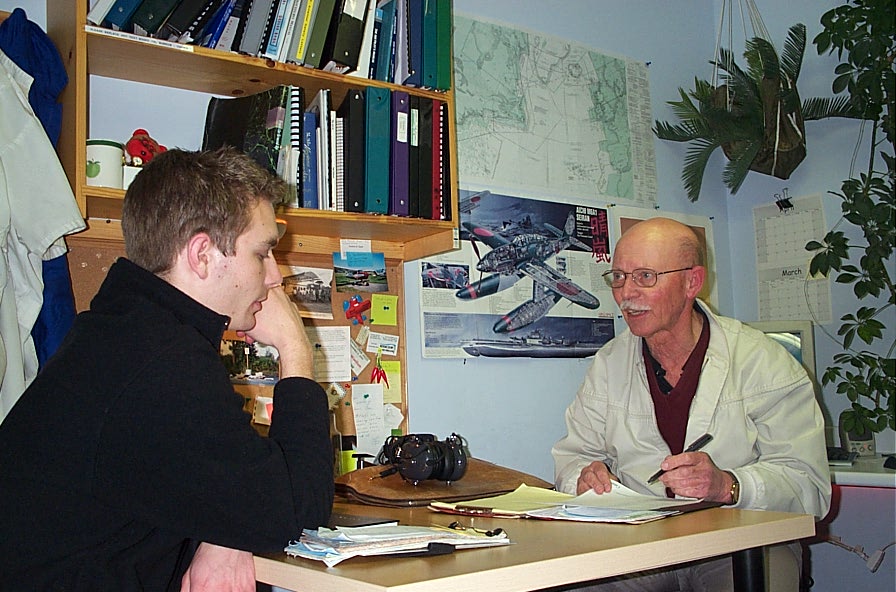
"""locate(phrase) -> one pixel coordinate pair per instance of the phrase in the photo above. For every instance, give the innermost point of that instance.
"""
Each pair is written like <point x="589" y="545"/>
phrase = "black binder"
<point x="343" y="46"/>
<point x="352" y="110"/>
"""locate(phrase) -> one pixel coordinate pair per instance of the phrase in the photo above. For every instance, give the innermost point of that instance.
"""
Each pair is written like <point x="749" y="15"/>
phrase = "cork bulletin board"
<point x="89" y="261"/>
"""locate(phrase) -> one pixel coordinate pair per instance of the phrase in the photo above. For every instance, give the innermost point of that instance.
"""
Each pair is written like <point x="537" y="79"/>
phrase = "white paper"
<point x="370" y="425"/>
<point x="332" y="360"/>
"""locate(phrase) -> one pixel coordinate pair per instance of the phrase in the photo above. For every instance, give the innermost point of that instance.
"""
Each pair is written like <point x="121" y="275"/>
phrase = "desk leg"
<point x="749" y="570"/>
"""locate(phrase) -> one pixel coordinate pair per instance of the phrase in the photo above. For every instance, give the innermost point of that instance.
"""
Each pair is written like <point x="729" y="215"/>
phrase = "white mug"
<point x="105" y="162"/>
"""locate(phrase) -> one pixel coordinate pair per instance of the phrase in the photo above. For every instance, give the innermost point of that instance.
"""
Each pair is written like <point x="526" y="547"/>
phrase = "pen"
<point x="694" y="447"/>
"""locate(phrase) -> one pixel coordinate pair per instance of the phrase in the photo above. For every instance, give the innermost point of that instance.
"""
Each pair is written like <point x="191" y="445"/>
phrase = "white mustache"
<point x="632" y="306"/>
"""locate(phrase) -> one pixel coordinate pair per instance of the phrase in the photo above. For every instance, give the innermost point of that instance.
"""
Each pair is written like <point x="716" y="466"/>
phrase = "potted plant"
<point x="754" y="116"/>
<point x="862" y="34"/>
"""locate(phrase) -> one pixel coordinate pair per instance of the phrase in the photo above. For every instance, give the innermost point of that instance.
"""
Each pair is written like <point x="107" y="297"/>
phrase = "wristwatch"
<point x="735" y="489"/>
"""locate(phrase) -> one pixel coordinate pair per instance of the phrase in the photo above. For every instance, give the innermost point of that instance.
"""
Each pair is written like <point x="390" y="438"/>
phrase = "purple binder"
<point x="399" y="179"/>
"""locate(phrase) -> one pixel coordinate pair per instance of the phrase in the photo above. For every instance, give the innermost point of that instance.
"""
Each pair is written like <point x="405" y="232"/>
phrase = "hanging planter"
<point x="755" y="115"/>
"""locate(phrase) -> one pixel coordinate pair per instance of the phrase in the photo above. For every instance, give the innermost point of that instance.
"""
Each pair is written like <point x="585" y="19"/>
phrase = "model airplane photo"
<point x="524" y="255"/>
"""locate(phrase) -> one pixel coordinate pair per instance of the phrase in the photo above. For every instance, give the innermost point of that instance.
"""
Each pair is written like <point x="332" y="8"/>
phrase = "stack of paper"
<point x="619" y="505"/>
<point x="334" y="545"/>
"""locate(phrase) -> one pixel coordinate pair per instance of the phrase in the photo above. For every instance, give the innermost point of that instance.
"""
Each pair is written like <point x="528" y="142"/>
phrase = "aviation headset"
<point x="417" y="457"/>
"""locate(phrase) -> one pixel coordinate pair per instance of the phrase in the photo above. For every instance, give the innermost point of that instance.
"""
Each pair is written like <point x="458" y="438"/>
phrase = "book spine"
<point x="307" y="19"/>
<point x="309" y="161"/>
<point x="277" y="29"/>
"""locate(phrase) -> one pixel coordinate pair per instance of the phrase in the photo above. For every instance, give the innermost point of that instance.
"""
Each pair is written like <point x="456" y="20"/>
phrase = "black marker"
<point x="694" y="447"/>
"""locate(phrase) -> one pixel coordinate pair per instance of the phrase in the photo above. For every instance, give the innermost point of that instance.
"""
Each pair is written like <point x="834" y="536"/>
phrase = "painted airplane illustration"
<point x="524" y="256"/>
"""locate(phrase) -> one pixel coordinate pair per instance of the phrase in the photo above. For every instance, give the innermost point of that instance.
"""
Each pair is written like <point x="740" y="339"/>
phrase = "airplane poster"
<point x="526" y="281"/>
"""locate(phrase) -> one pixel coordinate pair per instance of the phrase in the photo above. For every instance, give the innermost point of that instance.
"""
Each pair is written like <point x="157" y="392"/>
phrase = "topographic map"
<point x="539" y="113"/>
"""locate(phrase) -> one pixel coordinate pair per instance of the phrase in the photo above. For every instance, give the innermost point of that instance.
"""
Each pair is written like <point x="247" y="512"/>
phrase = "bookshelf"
<point x="88" y="52"/>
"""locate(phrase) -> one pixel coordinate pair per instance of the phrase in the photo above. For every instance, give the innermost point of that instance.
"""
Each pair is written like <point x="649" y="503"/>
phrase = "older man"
<point x="679" y="372"/>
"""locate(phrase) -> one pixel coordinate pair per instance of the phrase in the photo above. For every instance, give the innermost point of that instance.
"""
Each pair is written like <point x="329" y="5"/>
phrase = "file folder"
<point x="398" y="154"/>
<point x="376" y="170"/>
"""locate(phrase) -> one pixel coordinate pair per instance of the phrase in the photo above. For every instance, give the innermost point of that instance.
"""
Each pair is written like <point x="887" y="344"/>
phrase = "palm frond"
<point x="821" y="108"/>
<point x="794" y="49"/>
<point x="762" y="59"/>
<point x="739" y="163"/>
<point x="685" y="108"/>
<point x="684" y="132"/>
<point x="695" y="164"/>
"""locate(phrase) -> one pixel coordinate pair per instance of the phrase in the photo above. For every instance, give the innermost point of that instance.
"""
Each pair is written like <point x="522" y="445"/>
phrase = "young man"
<point x="680" y="372"/>
<point x="131" y="447"/>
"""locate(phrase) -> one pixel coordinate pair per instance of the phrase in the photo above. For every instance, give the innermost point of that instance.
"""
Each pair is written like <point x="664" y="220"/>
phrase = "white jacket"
<point x="753" y="397"/>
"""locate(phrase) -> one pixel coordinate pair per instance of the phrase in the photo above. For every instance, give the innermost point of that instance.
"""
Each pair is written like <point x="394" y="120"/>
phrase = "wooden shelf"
<point x="88" y="51"/>
<point x="308" y="231"/>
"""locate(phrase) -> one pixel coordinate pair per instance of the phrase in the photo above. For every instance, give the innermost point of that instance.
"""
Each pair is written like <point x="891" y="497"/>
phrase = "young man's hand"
<point x="219" y="569"/>
<point x="280" y="325"/>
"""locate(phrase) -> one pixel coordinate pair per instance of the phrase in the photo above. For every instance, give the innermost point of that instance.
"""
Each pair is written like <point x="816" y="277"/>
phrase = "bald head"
<point x="664" y="235"/>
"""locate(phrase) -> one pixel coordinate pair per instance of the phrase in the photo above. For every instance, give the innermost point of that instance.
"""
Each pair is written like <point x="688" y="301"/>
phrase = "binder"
<point x="318" y="35"/>
<point x="423" y="188"/>
<point x="429" y="54"/>
<point x="374" y="42"/>
<point x="443" y="44"/>
<point x="150" y="15"/>
<point x="252" y="123"/>
<point x="435" y="190"/>
<point x="352" y="112"/>
<point x="383" y="67"/>
<point x="445" y="212"/>
<point x="415" y="43"/>
<point x="270" y="19"/>
<point x="119" y="16"/>
<point x="320" y="106"/>
<point x="398" y="154"/>
<point x="376" y="150"/>
<point x="253" y="33"/>
<point x="292" y="30"/>
<point x="367" y="39"/>
<point x="194" y="31"/>
<point x="414" y="156"/>
<point x="338" y="162"/>
<point x="98" y="13"/>
<point x="293" y="171"/>
<point x="180" y="19"/>
<point x="309" y="161"/>
<point x="296" y="50"/>
<point x="278" y="28"/>
<point x="215" y="27"/>
<point x="400" y="49"/>
<point x="227" y="41"/>
<point x="343" y="45"/>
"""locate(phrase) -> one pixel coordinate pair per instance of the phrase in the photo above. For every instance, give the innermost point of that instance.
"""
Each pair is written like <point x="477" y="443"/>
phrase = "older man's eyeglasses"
<point x="643" y="276"/>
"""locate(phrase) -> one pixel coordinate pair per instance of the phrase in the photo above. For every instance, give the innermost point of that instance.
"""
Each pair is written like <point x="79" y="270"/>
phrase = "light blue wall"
<point x="511" y="411"/>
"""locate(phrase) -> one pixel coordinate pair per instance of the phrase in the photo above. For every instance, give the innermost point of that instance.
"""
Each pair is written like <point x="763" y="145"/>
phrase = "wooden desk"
<point x="544" y="554"/>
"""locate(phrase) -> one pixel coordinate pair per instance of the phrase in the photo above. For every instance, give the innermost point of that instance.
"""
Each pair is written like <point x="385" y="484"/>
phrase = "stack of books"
<point x="405" y="42"/>
<point x="380" y="151"/>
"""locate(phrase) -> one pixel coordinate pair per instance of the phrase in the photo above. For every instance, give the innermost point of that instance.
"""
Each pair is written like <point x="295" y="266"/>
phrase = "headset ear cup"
<point x="415" y="460"/>
<point x="457" y="457"/>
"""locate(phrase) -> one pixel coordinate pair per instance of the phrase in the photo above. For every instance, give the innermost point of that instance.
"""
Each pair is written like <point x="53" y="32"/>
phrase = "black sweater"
<point x="131" y="446"/>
